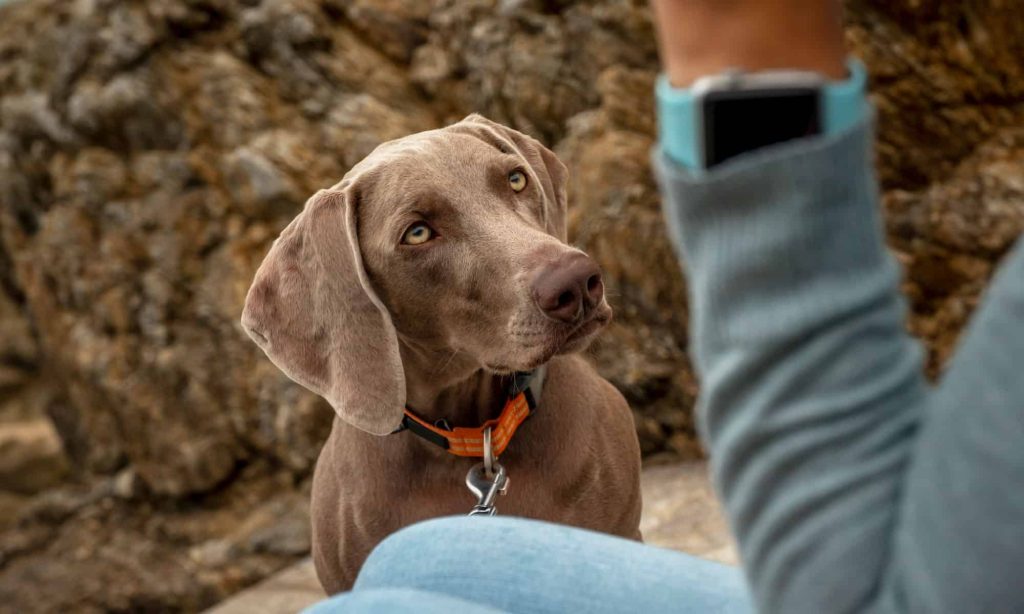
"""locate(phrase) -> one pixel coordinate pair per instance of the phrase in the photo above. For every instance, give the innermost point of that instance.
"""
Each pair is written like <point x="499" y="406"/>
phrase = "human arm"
<point x="811" y="389"/>
<point x="851" y="485"/>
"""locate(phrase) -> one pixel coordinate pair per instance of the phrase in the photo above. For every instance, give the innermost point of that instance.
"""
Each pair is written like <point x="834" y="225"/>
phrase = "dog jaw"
<point x="535" y="339"/>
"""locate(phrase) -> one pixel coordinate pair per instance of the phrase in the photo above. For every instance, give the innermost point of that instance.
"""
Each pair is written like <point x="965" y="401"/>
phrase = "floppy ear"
<point x="549" y="169"/>
<point x="312" y="310"/>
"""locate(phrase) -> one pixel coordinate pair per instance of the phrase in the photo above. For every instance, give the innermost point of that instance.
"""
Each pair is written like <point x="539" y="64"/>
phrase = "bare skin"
<point x="462" y="278"/>
<point x="705" y="37"/>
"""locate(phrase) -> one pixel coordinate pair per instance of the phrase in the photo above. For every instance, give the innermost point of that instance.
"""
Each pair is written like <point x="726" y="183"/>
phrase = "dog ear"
<point x="312" y="310"/>
<point x="553" y="174"/>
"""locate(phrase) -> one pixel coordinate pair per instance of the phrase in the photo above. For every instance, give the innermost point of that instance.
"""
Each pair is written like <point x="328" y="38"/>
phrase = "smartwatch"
<point x="722" y="116"/>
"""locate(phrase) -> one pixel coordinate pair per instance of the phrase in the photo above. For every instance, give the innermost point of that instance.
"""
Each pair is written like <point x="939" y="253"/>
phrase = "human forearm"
<point x="703" y="37"/>
<point x="811" y="389"/>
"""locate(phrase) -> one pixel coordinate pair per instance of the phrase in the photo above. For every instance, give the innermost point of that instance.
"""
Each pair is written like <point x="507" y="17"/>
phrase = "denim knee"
<point x="397" y="601"/>
<point x="520" y="565"/>
<point x="426" y="548"/>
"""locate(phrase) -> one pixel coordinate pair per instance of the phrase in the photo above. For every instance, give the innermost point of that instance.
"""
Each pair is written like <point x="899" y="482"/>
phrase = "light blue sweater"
<point x="851" y="484"/>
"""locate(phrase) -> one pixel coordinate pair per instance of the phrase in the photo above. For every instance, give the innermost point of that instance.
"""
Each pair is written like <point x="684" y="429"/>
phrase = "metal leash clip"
<point x="486" y="490"/>
<point x="486" y="480"/>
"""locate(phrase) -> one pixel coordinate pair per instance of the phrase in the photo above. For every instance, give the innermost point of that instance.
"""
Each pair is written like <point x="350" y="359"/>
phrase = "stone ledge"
<point x="31" y="456"/>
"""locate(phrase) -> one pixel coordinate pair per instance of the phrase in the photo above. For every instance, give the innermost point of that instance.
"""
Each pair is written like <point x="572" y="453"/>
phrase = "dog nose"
<point x="569" y="287"/>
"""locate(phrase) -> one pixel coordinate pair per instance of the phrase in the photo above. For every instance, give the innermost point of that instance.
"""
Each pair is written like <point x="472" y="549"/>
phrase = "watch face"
<point x="739" y="121"/>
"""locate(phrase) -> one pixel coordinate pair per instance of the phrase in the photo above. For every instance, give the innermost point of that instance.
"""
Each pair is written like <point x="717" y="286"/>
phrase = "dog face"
<point x="461" y="234"/>
<point x="451" y="241"/>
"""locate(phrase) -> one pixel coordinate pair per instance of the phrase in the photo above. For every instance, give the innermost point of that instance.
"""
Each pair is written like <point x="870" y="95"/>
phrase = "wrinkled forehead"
<point x="425" y="164"/>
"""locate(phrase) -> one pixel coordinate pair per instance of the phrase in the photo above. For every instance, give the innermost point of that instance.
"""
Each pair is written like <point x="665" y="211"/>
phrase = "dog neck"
<point x="453" y="387"/>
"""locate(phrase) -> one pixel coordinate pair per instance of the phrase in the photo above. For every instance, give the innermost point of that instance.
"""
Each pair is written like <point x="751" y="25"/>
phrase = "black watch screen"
<point x="743" y="120"/>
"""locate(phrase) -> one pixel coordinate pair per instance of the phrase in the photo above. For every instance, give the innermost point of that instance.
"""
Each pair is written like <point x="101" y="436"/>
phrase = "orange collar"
<point x="469" y="441"/>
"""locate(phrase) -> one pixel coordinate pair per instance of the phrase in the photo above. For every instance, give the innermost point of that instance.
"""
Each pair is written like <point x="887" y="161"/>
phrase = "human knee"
<point x="435" y="547"/>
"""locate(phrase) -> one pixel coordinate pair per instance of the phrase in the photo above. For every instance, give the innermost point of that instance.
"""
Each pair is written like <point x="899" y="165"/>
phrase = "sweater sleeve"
<point x="812" y="391"/>
<point x="959" y="545"/>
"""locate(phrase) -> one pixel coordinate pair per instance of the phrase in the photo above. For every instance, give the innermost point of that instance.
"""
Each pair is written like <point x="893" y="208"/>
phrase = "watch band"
<point x="844" y="103"/>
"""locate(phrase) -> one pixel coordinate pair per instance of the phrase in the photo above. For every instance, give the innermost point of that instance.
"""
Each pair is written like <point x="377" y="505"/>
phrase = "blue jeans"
<point x="504" y="564"/>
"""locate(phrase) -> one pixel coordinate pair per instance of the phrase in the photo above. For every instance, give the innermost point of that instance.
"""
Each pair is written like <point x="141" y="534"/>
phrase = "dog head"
<point x="449" y="241"/>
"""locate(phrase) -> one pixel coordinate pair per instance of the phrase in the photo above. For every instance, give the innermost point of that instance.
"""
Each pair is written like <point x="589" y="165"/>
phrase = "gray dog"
<point x="418" y="296"/>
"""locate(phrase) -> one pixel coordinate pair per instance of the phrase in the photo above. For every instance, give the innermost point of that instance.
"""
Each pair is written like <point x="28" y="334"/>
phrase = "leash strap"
<point x="469" y="441"/>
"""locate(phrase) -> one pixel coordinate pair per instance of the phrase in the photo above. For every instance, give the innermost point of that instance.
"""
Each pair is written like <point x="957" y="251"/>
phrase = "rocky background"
<point x="150" y="457"/>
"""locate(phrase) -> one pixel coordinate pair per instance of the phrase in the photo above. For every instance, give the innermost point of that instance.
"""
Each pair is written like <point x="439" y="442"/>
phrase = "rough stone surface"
<point x="11" y="507"/>
<point x="948" y="82"/>
<point x="150" y="151"/>
<point x="18" y="352"/>
<point x="102" y="548"/>
<point x="31" y="456"/>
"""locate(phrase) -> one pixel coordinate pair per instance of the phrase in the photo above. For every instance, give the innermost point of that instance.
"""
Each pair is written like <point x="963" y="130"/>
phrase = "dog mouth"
<point x="585" y="331"/>
<point x="565" y="340"/>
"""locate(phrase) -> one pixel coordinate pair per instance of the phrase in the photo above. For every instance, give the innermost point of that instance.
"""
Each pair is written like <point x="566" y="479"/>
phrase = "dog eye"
<point x="517" y="179"/>
<point x="418" y="234"/>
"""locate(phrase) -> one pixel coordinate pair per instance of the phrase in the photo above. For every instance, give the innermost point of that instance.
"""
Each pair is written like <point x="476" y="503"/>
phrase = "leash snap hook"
<point x="486" y="489"/>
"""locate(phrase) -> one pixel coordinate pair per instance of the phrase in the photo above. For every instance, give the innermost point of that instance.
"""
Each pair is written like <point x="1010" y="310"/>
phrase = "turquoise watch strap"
<point x="677" y="123"/>
<point x="844" y="104"/>
<point x="846" y="101"/>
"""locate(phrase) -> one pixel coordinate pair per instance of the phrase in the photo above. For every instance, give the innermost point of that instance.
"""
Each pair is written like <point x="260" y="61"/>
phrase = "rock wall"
<point x="948" y="82"/>
<point x="150" y="151"/>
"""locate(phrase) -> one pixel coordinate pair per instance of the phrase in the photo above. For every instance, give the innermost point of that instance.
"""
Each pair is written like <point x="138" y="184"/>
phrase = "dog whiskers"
<point x="447" y="362"/>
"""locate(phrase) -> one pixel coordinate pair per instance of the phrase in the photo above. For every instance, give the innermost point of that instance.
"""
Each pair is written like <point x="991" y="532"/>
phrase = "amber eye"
<point x="417" y="234"/>
<point x="517" y="179"/>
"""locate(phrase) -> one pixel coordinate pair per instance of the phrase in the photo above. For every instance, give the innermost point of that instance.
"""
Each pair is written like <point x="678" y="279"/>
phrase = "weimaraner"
<point x="420" y="285"/>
